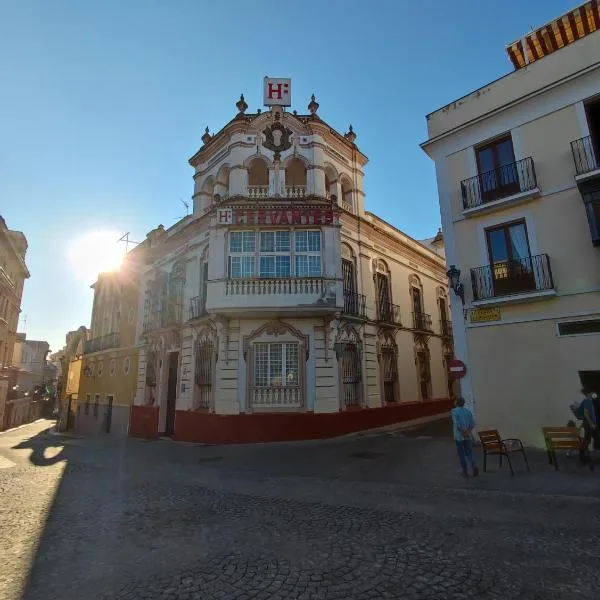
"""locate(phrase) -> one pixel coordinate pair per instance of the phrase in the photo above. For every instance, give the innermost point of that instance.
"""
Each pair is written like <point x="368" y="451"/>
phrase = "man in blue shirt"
<point x="589" y="426"/>
<point x="463" y="424"/>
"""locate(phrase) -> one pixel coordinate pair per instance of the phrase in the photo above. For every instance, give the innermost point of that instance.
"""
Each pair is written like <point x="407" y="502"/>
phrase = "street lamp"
<point x="454" y="279"/>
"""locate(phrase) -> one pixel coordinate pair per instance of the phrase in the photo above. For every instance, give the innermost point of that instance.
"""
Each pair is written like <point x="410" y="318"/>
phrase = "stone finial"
<point x="313" y="105"/>
<point x="206" y="137"/>
<point x="350" y="135"/>
<point x="241" y="104"/>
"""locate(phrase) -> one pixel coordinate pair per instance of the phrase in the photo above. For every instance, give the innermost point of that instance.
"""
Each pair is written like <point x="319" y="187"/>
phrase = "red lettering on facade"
<point x="273" y="214"/>
<point x="328" y="217"/>
<point x="261" y="217"/>
<point x="283" y="218"/>
<point x="296" y="217"/>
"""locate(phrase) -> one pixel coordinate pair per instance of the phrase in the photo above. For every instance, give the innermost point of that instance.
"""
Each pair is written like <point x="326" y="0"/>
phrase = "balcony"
<point x="421" y="321"/>
<point x="169" y="316"/>
<point x="388" y="313"/>
<point x="513" y="280"/>
<point x="277" y="295"/>
<point x="197" y="307"/>
<point x="295" y="191"/>
<point x="585" y="155"/>
<point x="355" y="305"/>
<point x="258" y="191"/>
<point x="509" y="184"/>
<point x="446" y="328"/>
<point x="6" y="278"/>
<point x="104" y="342"/>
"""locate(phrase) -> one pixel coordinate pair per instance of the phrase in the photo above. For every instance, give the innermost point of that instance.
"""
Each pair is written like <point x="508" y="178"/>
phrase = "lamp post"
<point x="454" y="282"/>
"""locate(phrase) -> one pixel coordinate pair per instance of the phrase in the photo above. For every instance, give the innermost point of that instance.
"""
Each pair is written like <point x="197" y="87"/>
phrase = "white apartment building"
<point x="518" y="176"/>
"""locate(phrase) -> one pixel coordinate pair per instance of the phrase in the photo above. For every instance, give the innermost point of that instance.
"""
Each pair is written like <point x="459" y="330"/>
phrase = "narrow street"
<point x="373" y="516"/>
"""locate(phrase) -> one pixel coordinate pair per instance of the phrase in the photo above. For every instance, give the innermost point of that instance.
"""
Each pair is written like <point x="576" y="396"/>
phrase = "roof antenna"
<point x="125" y="238"/>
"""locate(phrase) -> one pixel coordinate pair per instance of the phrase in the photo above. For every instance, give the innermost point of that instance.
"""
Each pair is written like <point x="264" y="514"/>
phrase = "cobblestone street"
<point x="373" y="516"/>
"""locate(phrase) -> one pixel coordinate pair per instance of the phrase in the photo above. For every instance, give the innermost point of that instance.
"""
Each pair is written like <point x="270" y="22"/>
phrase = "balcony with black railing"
<point x="388" y="313"/>
<point x="422" y="321"/>
<point x="586" y="154"/>
<point x="104" y="342"/>
<point x="446" y="328"/>
<point x="512" y="277"/>
<point x="197" y="307"/>
<point x="355" y="305"/>
<point x="503" y="183"/>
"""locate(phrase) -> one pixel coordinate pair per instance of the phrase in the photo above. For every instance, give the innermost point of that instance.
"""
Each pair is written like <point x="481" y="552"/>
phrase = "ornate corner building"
<point x="280" y="308"/>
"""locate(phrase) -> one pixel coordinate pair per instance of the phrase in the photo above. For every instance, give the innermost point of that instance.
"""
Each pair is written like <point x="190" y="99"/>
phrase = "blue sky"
<point x="102" y="104"/>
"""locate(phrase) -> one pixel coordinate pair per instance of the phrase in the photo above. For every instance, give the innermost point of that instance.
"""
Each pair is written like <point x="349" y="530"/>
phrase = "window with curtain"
<point x="275" y="254"/>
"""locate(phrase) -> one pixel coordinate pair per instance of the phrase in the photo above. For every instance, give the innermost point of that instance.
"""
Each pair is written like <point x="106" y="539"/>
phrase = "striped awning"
<point x="557" y="34"/>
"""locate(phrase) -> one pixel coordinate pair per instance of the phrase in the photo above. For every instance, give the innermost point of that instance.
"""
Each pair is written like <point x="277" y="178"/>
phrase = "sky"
<point x="103" y="103"/>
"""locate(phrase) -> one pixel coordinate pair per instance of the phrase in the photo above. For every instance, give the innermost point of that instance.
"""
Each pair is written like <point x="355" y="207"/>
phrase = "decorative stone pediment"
<point x="276" y="329"/>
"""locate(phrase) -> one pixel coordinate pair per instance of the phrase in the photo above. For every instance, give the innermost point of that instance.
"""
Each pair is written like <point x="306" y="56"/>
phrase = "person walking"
<point x="589" y="417"/>
<point x="463" y="424"/>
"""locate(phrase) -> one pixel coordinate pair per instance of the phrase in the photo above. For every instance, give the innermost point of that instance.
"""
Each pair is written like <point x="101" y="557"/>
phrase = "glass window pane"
<point x="282" y="241"/>
<point x="261" y="364"/>
<point x="267" y="266"/>
<point x="301" y="241"/>
<point x="291" y="364"/>
<point x="235" y="267"/>
<point x="301" y="265"/>
<point x="485" y="157"/>
<point x="267" y="241"/>
<point x="283" y="266"/>
<point x="314" y="266"/>
<point x="249" y="244"/>
<point x="518" y="241"/>
<point x="235" y="241"/>
<point x="314" y="241"/>
<point x="497" y="242"/>
<point x="505" y="152"/>
<point x="247" y="266"/>
<point x="275" y="364"/>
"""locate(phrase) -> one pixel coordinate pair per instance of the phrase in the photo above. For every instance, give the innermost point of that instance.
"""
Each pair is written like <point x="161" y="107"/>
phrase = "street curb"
<point x="21" y="426"/>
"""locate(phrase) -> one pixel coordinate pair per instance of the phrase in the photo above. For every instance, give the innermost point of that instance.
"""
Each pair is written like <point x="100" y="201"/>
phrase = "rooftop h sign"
<point x="277" y="92"/>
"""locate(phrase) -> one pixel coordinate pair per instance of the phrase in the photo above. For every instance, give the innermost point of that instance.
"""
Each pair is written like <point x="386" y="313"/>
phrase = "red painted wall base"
<point x="144" y="422"/>
<point x="208" y="428"/>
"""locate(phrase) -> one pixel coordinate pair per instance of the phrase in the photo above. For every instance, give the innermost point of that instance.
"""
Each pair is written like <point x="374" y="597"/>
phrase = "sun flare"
<point x="96" y="252"/>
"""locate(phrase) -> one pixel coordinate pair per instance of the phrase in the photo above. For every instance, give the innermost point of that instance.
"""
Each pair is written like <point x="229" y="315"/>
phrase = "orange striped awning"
<point x="557" y="34"/>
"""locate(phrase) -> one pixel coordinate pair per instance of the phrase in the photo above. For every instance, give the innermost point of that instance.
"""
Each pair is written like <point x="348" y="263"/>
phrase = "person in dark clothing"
<point x="589" y="426"/>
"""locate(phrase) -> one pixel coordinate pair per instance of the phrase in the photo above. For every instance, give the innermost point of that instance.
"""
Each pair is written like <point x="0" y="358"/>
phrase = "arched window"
<point x="258" y="175"/>
<point x="348" y="352"/>
<point x="383" y="292"/>
<point x="421" y="320"/>
<point x="422" y="361"/>
<point x="222" y="182"/>
<point x="388" y="365"/>
<point x="295" y="178"/>
<point x="346" y="193"/>
<point x="330" y="182"/>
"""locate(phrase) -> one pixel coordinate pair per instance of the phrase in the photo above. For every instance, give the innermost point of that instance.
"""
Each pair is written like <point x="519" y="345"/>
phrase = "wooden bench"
<point x="562" y="438"/>
<point x="492" y="444"/>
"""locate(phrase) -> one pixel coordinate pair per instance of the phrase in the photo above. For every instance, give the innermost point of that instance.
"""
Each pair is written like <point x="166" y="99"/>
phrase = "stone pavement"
<point x="371" y="516"/>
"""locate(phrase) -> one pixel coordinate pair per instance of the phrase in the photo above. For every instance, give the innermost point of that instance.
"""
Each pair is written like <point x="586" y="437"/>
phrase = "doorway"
<point x="109" y="406"/>
<point x="171" y="393"/>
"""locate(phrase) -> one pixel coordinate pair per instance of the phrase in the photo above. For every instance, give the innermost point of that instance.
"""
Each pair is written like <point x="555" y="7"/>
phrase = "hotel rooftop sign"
<point x="277" y="91"/>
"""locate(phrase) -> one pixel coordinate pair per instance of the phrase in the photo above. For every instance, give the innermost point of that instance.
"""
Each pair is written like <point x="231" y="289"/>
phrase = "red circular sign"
<point x="456" y="369"/>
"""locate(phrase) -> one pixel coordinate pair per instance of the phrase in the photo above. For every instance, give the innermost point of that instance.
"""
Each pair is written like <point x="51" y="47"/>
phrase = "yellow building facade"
<point x="110" y="357"/>
<point x="518" y="173"/>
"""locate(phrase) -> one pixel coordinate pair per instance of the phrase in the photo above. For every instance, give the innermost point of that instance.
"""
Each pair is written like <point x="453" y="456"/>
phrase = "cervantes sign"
<point x="276" y="216"/>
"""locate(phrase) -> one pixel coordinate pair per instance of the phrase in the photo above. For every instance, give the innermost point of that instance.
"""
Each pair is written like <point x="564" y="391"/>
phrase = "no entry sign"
<point x="456" y="369"/>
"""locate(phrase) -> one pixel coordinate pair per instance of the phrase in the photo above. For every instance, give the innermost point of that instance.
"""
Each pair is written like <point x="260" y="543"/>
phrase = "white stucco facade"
<point x="280" y="293"/>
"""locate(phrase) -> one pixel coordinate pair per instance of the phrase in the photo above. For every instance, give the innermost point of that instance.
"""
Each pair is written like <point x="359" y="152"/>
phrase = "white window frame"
<point x="313" y="253"/>
<point x="283" y="349"/>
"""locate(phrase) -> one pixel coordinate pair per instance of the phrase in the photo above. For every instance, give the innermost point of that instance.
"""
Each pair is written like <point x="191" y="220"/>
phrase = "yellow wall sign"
<point x="481" y="315"/>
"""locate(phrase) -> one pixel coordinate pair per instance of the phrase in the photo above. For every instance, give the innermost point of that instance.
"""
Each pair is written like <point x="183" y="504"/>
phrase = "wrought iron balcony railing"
<point x="446" y="328"/>
<point x="509" y="277"/>
<point x="355" y="305"/>
<point x="388" y="313"/>
<point x="103" y="342"/>
<point x="507" y="180"/>
<point x="421" y="321"/>
<point x="197" y="307"/>
<point x="585" y="155"/>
